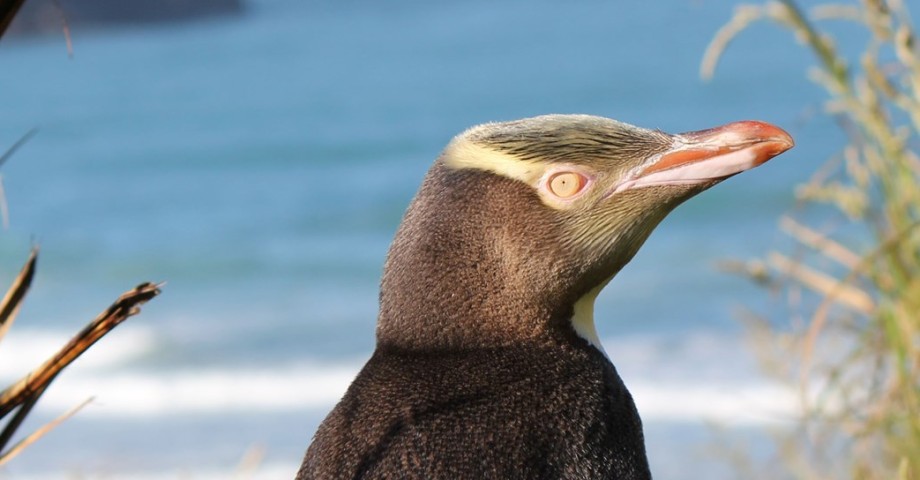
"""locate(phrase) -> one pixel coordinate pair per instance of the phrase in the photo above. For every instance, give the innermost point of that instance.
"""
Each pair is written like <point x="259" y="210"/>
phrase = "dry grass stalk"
<point x="8" y="10"/>
<point x="40" y="432"/>
<point x="818" y="241"/>
<point x="250" y="462"/>
<point x="22" y="395"/>
<point x="4" y="208"/>
<point x="9" y="307"/>
<point x="65" y="28"/>
<point x="859" y="352"/>
<point x="126" y="306"/>
<point x="829" y="286"/>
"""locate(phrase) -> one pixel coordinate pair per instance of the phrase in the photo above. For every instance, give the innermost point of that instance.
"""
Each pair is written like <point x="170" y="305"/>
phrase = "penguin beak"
<point x="711" y="155"/>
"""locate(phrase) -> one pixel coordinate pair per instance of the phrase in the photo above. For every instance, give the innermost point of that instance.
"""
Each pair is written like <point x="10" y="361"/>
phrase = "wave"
<point x="27" y="348"/>
<point x="272" y="471"/>
<point x="692" y="378"/>
<point x="319" y="387"/>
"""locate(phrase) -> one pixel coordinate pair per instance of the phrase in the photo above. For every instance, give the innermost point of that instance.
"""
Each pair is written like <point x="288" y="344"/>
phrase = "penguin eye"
<point x="566" y="184"/>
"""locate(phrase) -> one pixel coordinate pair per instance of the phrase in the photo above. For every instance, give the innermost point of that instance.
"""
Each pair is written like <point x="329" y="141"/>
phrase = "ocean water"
<point x="260" y="166"/>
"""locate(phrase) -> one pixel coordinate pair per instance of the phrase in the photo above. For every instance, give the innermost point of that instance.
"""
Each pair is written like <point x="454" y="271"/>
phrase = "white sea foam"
<point x="698" y="378"/>
<point x="311" y="386"/>
<point x="207" y="391"/>
<point x="24" y="349"/>
<point x="272" y="471"/>
<point x="724" y="404"/>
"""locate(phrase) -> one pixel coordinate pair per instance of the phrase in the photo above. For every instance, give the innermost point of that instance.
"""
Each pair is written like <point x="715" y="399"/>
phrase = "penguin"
<point x="487" y="362"/>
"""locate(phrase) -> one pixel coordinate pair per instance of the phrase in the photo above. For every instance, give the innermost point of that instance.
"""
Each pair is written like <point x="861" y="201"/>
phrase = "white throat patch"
<point x="583" y="318"/>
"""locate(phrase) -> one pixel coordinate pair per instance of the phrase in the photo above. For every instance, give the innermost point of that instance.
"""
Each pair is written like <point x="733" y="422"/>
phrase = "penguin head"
<point x="519" y="225"/>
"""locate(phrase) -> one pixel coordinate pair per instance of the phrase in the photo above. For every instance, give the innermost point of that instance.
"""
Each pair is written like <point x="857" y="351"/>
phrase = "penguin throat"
<point x="583" y="317"/>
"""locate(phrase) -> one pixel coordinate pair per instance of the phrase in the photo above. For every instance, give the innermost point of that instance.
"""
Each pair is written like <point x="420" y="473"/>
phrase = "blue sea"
<point x="259" y="165"/>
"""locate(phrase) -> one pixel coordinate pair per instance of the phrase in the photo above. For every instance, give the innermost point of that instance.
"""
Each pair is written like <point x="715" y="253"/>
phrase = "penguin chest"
<point x="484" y="414"/>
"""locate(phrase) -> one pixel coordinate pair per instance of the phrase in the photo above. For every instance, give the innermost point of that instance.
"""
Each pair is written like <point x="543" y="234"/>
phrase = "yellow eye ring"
<point x="566" y="184"/>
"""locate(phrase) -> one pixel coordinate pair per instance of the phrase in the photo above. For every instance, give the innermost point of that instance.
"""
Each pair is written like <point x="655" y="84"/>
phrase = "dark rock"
<point x="48" y="15"/>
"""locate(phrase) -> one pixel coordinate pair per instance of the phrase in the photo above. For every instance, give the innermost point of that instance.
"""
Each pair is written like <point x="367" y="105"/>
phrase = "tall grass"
<point x="852" y="280"/>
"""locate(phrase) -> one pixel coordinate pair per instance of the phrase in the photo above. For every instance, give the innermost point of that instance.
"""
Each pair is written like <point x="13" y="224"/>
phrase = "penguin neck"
<point x="432" y="298"/>
<point x="476" y="308"/>
<point x="455" y="314"/>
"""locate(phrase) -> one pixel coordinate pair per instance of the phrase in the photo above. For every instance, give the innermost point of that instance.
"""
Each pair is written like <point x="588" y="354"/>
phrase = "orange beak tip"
<point x="714" y="154"/>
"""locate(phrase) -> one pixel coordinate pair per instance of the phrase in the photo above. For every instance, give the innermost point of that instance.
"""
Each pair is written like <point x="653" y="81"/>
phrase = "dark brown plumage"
<point x="487" y="364"/>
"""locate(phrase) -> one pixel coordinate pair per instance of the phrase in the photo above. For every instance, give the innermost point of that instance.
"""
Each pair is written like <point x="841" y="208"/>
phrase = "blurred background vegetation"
<point x="851" y="277"/>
